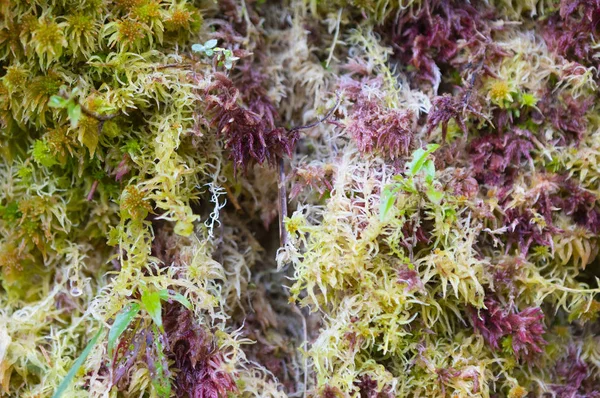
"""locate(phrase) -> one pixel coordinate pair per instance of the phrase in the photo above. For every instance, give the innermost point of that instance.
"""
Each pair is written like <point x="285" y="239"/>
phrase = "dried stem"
<point x="90" y="113"/>
<point x="97" y="116"/>
<point x="327" y="116"/>
<point x="175" y="65"/>
<point x="282" y="204"/>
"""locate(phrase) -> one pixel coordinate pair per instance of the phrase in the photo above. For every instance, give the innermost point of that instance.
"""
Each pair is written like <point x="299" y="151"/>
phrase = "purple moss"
<point x="497" y="158"/>
<point x="438" y="32"/>
<point x="525" y="327"/>
<point x="565" y="114"/>
<point x="196" y="357"/>
<point x="374" y="127"/>
<point x="249" y="136"/>
<point x="572" y="31"/>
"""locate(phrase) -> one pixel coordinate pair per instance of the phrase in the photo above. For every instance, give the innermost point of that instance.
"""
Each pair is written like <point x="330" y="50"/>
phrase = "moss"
<point x="441" y="159"/>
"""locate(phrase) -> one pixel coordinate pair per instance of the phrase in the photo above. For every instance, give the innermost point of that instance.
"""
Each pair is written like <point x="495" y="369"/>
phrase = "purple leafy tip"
<point x="525" y="327"/>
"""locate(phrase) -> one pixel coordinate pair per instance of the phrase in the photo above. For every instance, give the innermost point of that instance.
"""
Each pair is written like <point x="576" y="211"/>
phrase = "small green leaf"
<point x="198" y="48"/>
<point x="171" y="295"/>
<point x="387" y="200"/>
<point x="151" y="302"/>
<point x="122" y="321"/>
<point x="429" y="167"/>
<point x="74" y="114"/>
<point x="209" y="52"/>
<point x="212" y="43"/>
<point x="419" y="158"/>
<point x="76" y="365"/>
<point x="434" y="195"/>
<point x="57" y="101"/>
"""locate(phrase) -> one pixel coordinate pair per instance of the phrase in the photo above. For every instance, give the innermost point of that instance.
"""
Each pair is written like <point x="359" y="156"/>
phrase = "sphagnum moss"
<point x="443" y="238"/>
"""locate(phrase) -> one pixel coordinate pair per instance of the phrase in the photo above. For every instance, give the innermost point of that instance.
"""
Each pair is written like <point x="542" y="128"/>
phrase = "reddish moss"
<point x="368" y="388"/>
<point x="573" y="30"/>
<point x="249" y="136"/>
<point x="497" y="158"/>
<point x="374" y="127"/>
<point x="196" y="356"/>
<point x="438" y="32"/>
<point x="565" y="114"/>
<point x="525" y="327"/>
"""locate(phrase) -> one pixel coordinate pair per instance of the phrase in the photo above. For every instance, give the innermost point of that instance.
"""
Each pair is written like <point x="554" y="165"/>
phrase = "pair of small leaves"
<point x="206" y="48"/>
<point x="70" y="104"/>
<point x="151" y="302"/>
<point x="210" y="48"/>
<point x="229" y="58"/>
<point x="418" y="162"/>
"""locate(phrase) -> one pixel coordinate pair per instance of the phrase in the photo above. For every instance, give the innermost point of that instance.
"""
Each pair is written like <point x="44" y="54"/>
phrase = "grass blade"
<point x="171" y="295"/>
<point x="76" y="365"/>
<point x="122" y="321"/>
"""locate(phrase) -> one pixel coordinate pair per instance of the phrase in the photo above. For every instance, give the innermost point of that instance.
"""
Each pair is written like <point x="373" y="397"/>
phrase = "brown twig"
<point x="97" y="116"/>
<point x="282" y="202"/>
<point x="90" y="113"/>
<point x="232" y="199"/>
<point x="327" y="116"/>
<point x="167" y="66"/>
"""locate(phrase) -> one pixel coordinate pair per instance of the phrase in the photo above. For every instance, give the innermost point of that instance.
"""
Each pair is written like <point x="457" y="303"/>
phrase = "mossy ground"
<point x="299" y="198"/>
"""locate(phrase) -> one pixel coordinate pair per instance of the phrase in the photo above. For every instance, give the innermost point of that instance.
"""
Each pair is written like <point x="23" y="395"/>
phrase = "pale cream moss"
<point x="384" y="300"/>
<point x="378" y="10"/>
<point x="516" y="9"/>
<point x="351" y="265"/>
<point x="530" y="66"/>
